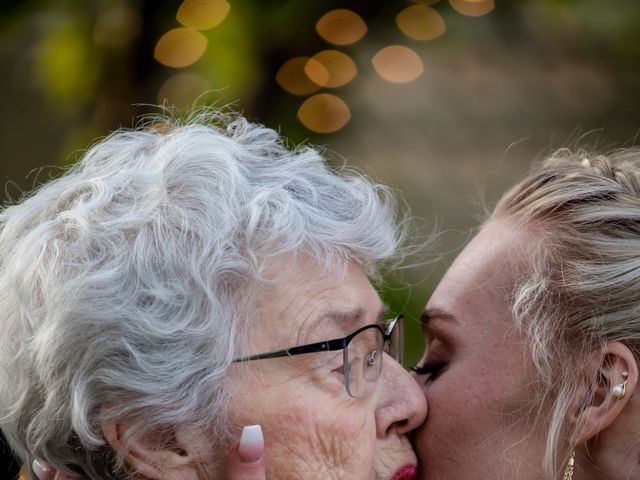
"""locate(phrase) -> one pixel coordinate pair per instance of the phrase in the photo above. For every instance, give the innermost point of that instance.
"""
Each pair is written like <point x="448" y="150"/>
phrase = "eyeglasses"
<point x="362" y="353"/>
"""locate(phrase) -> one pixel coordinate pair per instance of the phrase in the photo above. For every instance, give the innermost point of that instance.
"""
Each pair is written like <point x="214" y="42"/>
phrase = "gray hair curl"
<point x="122" y="282"/>
<point x="582" y="289"/>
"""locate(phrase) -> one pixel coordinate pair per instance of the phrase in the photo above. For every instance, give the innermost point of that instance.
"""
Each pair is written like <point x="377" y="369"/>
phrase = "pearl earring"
<point x="619" y="390"/>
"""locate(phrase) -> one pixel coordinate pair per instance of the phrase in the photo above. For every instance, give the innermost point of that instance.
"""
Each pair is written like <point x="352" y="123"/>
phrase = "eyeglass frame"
<point x="335" y="345"/>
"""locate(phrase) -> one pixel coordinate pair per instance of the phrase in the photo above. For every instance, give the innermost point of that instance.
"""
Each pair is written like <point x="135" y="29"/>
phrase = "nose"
<point x="401" y="405"/>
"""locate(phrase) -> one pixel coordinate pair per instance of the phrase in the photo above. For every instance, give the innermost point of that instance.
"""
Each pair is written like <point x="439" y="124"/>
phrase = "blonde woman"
<point x="531" y="369"/>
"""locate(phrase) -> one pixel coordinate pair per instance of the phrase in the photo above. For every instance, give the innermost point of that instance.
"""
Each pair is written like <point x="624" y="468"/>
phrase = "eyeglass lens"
<point x="363" y="362"/>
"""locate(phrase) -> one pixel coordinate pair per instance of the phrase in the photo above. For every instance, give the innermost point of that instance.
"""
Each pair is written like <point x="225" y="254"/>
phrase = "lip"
<point x="407" y="472"/>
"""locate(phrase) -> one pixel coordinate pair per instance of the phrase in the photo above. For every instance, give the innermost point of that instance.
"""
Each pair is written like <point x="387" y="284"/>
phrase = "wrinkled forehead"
<point x="304" y="303"/>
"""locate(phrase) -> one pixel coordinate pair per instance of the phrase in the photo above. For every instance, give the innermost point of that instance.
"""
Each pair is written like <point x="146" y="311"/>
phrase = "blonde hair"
<point x="583" y="286"/>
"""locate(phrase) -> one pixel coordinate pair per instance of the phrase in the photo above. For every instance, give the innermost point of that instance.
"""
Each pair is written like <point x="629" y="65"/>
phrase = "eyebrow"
<point x="431" y="314"/>
<point x="351" y="317"/>
<point x="346" y="320"/>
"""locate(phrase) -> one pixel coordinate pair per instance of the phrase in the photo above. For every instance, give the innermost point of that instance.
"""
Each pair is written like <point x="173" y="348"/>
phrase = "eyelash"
<point x="433" y="370"/>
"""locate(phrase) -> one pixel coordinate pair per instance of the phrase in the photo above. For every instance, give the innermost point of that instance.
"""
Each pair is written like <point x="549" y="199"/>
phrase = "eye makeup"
<point x="430" y="369"/>
<point x="434" y="364"/>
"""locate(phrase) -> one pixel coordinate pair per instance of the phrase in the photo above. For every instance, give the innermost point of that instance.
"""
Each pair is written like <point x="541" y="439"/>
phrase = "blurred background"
<point x="448" y="101"/>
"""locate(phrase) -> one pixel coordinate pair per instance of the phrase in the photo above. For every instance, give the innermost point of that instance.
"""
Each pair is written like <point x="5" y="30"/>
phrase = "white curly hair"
<point x="123" y="282"/>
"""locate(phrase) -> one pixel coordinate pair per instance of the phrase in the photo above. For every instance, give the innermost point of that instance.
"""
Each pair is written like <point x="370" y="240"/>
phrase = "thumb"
<point x="246" y="459"/>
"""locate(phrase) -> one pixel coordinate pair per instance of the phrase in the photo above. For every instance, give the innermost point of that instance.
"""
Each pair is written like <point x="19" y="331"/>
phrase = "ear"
<point x="155" y="459"/>
<point x="615" y="365"/>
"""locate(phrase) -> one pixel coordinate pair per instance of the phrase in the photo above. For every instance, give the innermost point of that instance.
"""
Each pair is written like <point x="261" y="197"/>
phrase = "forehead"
<point x="479" y="284"/>
<point x="306" y="304"/>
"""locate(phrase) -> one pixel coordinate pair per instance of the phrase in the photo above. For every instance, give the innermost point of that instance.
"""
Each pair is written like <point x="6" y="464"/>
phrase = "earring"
<point x="619" y="390"/>
<point x="568" y="472"/>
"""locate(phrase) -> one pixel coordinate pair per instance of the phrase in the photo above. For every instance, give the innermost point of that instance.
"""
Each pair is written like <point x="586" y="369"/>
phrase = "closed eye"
<point x="430" y="369"/>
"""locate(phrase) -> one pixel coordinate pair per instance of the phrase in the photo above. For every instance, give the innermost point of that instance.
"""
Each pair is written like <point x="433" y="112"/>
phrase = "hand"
<point x="246" y="460"/>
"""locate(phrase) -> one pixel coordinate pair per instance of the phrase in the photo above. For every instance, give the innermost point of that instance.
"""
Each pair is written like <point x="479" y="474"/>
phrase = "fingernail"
<point x="40" y="470"/>
<point x="251" y="444"/>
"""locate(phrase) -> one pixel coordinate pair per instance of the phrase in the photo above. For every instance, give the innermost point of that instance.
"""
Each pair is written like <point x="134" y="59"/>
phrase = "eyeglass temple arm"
<point x="393" y="324"/>
<point x="327" y="346"/>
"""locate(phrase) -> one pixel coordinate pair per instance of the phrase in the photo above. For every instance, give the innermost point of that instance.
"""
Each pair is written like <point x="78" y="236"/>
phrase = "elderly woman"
<point x="181" y="282"/>
<point x="531" y="369"/>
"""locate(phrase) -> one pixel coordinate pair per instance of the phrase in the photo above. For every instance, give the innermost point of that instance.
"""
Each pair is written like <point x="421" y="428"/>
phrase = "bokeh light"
<point x="180" y="47"/>
<point x="421" y="22"/>
<point x="202" y="14"/>
<point x="292" y="76"/>
<point x="316" y="72"/>
<point x="341" y="27"/>
<point x="183" y="89"/>
<point x="398" y="64"/>
<point x="337" y="69"/>
<point x="473" y="8"/>
<point x="324" y="113"/>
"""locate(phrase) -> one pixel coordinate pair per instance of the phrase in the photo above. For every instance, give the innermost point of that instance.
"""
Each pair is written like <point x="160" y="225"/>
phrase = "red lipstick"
<point x="408" y="472"/>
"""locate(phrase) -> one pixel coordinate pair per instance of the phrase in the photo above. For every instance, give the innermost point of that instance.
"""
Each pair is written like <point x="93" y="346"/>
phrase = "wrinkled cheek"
<point x="323" y="445"/>
<point x="387" y="457"/>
